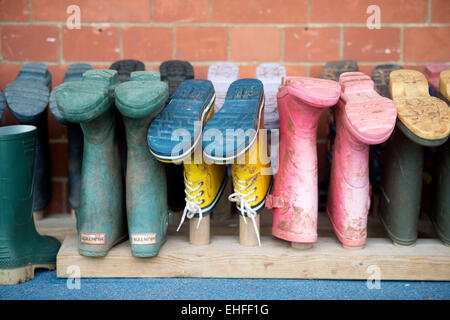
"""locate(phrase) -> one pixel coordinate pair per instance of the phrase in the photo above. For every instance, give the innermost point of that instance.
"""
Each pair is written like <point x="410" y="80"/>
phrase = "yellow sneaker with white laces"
<point x="252" y="180"/>
<point x="204" y="184"/>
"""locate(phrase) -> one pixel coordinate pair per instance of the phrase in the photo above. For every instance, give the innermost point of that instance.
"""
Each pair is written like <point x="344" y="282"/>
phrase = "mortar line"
<point x="174" y="50"/>
<point x="402" y="45"/>
<point x="120" y="44"/>
<point x="428" y="18"/>
<point x="214" y="24"/>
<point x="341" y="43"/>
<point x="30" y="15"/>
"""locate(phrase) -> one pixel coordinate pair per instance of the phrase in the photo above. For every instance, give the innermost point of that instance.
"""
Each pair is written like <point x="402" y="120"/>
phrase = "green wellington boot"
<point x="22" y="249"/>
<point x="101" y="219"/>
<point x="139" y="101"/>
<point x="440" y="215"/>
<point x="423" y="121"/>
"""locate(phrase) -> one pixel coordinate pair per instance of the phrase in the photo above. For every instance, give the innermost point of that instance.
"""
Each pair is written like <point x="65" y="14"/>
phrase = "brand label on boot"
<point x="143" y="238"/>
<point x="93" y="238"/>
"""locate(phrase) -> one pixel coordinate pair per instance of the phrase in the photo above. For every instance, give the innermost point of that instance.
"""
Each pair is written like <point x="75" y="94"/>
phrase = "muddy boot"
<point x="27" y="99"/>
<point x="422" y="121"/>
<point x="440" y="214"/>
<point x="139" y="101"/>
<point x="332" y="70"/>
<point x="363" y="118"/>
<point x="75" y="137"/>
<point x="101" y="217"/>
<point x="124" y="69"/>
<point x="432" y="73"/>
<point x="191" y="106"/>
<point x="22" y="248"/>
<point x="301" y="101"/>
<point x="380" y="76"/>
<point x="228" y="138"/>
<point x="2" y="105"/>
<point x="174" y="72"/>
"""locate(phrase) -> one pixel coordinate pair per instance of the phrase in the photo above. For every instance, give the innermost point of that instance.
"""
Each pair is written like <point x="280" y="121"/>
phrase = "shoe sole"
<point x="196" y="141"/>
<point x="22" y="274"/>
<point x="222" y="160"/>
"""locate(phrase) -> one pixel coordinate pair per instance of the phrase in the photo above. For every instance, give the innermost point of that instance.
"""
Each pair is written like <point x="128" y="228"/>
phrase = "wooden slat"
<point x="225" y="258"/>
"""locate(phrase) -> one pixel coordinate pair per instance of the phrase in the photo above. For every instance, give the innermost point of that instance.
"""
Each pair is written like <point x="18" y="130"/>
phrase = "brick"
<point x="426" y="44"/>
<point x="180" y="11"/>
<point x="91" y="44"/>
<point x="93" y="11"/>
<point x="201" y="43"/>
<point x="363" y="44"/>
<point x="30" y="43"/>
<point x="295" y="70"/>
<point x="311" y="44"/>
<point x="58" y="159"/>
<point x="259" y="11"/>
<point x="201" y="72"/>
<point x="147" y="43"/>
<point x="58" y="72"/>
<point x="440" y="11"/>
<point x="255" y="44"/>
<point x="247" y="71"/>
<point x="14" y="10"/>
<point x="57" y="203"/>
<point x="55" y="130"/>
<point x="8" y="73"/>
<point x="315" y="71"/>
<point x="351" y="11"/>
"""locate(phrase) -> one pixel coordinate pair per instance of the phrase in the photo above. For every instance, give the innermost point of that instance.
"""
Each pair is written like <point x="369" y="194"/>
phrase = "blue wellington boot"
<point x="27" y="99"/>
<point x="74" y="134"/>
<point x="124" y="69"/>
<point x="101" y="219"/>
<point x="2" y="105"/>
<point x="139" y="101"/>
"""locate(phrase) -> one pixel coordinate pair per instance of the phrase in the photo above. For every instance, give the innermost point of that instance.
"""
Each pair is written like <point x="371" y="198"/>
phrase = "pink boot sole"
<point x="363" y="118"/>
<point x="301" y="101"/>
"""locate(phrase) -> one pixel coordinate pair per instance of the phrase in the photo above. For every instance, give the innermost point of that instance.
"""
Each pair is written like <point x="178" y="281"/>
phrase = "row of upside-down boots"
<point x="125" y="123"/>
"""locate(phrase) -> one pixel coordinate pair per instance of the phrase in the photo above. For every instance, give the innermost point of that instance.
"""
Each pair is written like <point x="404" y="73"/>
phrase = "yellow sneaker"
<point x="204" y="184"/>
<point x="252" y="180"/>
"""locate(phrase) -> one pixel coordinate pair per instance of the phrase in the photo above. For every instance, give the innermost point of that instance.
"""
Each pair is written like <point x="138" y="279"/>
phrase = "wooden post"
<point x="73" y="214"/>
<point x="247" y="235"/>
<point x="200" y="236"/>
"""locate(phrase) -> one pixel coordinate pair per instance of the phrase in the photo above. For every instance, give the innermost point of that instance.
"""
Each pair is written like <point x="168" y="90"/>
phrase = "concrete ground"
<point x="45" y="285"/>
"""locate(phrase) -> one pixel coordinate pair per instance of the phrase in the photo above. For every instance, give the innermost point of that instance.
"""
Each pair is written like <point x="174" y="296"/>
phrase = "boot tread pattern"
<point x="74" y="73"/>
<point x="425" y="116"/>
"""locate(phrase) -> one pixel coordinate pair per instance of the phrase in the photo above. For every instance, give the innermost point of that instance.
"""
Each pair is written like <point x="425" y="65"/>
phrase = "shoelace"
<point x="192" y="207"/>
<point x="245" y="207"/>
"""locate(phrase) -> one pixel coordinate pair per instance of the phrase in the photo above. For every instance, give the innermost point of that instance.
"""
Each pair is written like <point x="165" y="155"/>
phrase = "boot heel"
<point x="363" y="118"/>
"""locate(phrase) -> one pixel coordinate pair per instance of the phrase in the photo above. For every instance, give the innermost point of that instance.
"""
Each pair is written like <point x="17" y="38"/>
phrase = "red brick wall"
<point x="300" y="34"/>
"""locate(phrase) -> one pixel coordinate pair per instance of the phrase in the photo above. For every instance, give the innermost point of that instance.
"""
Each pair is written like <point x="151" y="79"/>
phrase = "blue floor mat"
<point x="45" y="285"/>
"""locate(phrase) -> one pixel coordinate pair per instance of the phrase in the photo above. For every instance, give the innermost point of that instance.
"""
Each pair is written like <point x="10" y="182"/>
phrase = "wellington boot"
<point x="139" y="101"/>
<point x="380" y="76"/>
<point x="363" y="118"/>
<point x="174" y="72"/>
<point x="124" y="69"/>
<point x="331" y="71"/>
<point x="2" y="105"/>
<point x="432" y="73"/>
<point x="301" y="101"/>
<point x="440" y="215"/>
<point x="422" y="121"/>
<point x="27" y="99"/>
<point x="22" y="249"/>
<point x="74" y="135"/>
<point x="101" y="217"/>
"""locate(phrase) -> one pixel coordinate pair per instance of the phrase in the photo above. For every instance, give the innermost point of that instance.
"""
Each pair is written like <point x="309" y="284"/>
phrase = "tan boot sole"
<point x="22" y="274"/>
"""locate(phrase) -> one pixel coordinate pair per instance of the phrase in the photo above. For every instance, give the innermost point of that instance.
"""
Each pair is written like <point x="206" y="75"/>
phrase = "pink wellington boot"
<point x="301" y="101"/>
<point x="363" y="118"/>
